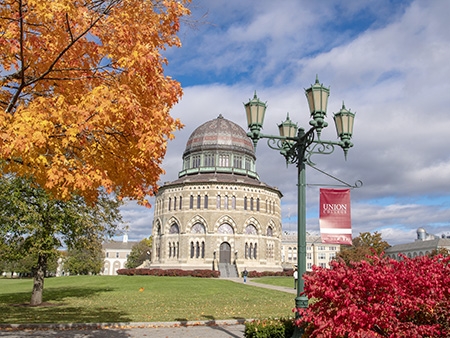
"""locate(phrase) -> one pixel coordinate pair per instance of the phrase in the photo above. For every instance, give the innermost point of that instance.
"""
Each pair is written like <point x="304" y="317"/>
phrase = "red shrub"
<point x="169" y="272"/>
<point x="383" y="298"/>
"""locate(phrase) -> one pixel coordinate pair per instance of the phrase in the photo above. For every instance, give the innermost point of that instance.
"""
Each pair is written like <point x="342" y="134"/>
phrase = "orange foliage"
<point x="85" y="102"/>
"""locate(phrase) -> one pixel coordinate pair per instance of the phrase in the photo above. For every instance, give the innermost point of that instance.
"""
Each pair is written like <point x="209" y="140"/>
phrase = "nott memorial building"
<point x="218" y="214"/>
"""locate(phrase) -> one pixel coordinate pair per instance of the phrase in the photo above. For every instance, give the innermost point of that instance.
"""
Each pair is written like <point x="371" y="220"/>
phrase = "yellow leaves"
<point x="94" y="108"/>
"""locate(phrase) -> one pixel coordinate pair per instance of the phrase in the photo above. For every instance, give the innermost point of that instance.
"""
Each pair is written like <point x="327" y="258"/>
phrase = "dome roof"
<point x="222" y="134"/>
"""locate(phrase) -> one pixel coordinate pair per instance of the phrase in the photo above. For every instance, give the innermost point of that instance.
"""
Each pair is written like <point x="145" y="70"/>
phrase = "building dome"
<point x="217" y="214"/>
<point x="219" y="146"/>
<point x="421" y="234"/>
<point x="222" y="134"/>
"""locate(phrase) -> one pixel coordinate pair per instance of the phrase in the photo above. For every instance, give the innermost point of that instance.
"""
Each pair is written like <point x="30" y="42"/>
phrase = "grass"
<point x="108" y="299"/>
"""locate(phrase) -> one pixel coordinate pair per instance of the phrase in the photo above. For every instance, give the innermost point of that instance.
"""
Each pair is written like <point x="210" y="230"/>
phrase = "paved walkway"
<point x="194" y="329"/>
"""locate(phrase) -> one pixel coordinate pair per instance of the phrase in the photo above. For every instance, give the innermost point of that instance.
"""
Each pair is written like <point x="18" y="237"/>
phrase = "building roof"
<point x="420" y="245"/>
<point x="118" y="245"/>
<point x="219" y="133"/>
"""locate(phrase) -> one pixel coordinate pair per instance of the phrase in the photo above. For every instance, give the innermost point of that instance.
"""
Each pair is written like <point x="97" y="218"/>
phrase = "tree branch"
<point x="23" y="83"/>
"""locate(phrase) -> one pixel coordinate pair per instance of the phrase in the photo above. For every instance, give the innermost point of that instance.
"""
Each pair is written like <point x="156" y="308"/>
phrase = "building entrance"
<point x="225" y="253"/>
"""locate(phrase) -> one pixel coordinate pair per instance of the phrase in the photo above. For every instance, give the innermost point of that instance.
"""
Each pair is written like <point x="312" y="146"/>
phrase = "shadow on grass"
<point x="52" y="294"/>
<point x="14" y="308"/>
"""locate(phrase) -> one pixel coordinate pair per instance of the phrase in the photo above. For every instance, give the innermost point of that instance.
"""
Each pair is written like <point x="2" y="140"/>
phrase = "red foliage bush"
<point x="383" y="298"/>
<point x="256" y="274"/>
<point x="169" y="272"/>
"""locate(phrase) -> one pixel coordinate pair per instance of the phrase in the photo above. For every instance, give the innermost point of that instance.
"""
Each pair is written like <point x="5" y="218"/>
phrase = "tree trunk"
<point x="38" y="279"/>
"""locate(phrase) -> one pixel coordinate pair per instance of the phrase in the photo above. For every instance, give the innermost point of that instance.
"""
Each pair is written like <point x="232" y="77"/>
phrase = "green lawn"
<point x="93" y="299"/>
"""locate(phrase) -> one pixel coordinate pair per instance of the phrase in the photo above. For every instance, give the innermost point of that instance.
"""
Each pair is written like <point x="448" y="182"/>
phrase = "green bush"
<point x="269" y="328"/>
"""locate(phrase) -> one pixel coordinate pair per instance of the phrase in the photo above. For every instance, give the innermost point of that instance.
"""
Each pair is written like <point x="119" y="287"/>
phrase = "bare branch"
<point x="23" y="84"/>
<point x="68" y="27"/>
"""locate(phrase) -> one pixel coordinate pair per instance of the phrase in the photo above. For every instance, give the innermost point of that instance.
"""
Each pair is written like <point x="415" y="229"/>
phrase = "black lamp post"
<point x="297" y="146"/>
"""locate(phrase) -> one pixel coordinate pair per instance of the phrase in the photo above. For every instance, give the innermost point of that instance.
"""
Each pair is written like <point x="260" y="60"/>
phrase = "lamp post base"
<point x="301" y="302"/>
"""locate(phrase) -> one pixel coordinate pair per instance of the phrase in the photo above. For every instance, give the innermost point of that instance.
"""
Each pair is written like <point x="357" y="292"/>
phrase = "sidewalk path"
<point x="266" y="286"/>
<point x="216" y="329"/>
<point x="194" y="329"/>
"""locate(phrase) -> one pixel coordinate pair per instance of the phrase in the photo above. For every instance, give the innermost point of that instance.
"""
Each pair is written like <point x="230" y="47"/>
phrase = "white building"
<point x="317" y="253"/>
<point x="116" y="255"/>
<point x="424" y="244"/>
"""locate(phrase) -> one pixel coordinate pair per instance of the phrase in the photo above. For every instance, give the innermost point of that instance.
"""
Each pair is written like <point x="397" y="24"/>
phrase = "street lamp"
<point x="297" y="146"/>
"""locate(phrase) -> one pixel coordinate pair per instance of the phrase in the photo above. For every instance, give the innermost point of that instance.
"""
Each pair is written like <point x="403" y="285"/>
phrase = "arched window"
<point x="174" y="203"/>
<point x="199" y="199"/>
<point x="257" y="204"/>
<point x="174" y="229"/>
<point x="170" y="203"/>
<point x="246" y="250"/>
<point x="158" y="229"/>
<point x="225" y="229"/>
<point x="251" y="230"/>
<point x="203" y="249"/>
<point x="245" y="203"/>
<point x="192" y="249"/>
<point x="206" y="202"/>
<point x="233" y="202"/>
<point x="251" y="203"/>
<point x="181" y="204"/>
<point x="255" y="251"/>
<point x="269" y="231"/>
<point x="191" y="202"/>
<point x="198" y="228"/>
<point x="225" y="202"/>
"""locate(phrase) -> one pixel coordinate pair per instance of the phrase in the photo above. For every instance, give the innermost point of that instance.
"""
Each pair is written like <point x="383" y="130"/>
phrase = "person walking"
<point x="295" y="274"/>
<point x="245" y="274"/>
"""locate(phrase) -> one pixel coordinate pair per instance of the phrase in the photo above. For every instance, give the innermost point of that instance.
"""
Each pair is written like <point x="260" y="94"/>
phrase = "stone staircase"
<point x="228" y="270"/>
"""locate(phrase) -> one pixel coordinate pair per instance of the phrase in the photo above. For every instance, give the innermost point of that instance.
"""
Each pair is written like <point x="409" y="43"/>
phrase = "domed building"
<point x="218" y="214"/>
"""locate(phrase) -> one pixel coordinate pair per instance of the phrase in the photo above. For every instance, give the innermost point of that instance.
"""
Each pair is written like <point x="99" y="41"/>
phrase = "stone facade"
<point x="217" y="211"/>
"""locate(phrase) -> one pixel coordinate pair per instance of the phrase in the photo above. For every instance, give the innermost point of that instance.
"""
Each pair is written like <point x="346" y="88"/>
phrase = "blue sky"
<point x="389" y="62"/>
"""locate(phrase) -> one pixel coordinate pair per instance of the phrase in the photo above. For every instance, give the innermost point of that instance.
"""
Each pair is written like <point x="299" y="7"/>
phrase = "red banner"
<point x="335" y="219"/>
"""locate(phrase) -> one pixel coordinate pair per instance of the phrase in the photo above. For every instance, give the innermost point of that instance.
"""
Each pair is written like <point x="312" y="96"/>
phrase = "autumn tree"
<point x="33" y="223"/>
<point x="440" y="251"/>
<point x="366" y="244"/>
<point x="84" y="99"/>
<point x="140" y="252"/>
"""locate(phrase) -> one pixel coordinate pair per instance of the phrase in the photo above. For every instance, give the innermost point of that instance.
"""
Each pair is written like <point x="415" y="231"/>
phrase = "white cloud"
<point x="389" y="62"/>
